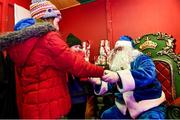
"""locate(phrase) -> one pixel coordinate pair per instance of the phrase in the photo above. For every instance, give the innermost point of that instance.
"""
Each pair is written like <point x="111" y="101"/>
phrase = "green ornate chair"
<point x="160" y="47"/>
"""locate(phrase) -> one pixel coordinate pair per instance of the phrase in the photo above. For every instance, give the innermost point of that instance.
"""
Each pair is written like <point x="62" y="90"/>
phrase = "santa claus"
<point x="139" y="95"/>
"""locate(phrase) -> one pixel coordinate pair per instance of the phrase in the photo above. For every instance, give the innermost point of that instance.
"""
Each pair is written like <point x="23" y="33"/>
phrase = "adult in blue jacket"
<point x="140" y="94"/>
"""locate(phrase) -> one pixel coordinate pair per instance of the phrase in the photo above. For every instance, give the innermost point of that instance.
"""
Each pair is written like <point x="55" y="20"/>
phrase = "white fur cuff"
<point x="127" y="80"/>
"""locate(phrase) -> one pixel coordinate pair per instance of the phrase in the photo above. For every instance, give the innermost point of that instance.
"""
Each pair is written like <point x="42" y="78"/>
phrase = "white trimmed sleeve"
<point x="127" y="80"/>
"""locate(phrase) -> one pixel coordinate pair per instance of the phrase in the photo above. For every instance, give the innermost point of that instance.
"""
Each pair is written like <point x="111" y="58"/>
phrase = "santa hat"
<point x="125" y="41"/>
<point x="73" y="40"/>
<point x="43" y="9"/>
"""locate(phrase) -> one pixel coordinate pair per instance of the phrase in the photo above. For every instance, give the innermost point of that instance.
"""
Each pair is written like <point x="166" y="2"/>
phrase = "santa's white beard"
<point x="121" y="60"/>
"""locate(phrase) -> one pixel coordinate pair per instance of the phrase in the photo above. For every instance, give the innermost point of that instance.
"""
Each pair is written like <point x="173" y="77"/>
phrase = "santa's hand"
<point x="96" y="81"/>
<point x="110" y="76"/>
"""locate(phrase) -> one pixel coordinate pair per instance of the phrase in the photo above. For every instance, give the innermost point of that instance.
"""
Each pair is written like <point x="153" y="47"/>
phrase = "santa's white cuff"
<point x="127" y="80"/>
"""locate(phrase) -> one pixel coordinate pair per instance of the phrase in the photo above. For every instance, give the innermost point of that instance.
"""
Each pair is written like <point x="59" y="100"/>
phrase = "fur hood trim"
<point x="13" y="38"/>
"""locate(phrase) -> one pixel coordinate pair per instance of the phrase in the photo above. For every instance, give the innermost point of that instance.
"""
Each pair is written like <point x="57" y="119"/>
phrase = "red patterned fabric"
<point x="164" y="76"/>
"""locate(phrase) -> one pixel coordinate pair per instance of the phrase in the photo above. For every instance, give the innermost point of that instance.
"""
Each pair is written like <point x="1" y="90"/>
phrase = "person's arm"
<point x="66" y="60"/>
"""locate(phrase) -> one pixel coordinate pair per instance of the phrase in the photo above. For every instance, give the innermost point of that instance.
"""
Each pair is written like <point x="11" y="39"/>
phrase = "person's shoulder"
<point x="53" y="35"/>
<point x="143" y="56"/>
<point x="53" y="39"/>
<point x="146" y="56"/>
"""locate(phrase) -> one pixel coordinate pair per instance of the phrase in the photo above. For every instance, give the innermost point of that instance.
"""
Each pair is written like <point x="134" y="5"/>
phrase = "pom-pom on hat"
<point x="24" y="23"/>
<point x="73" y="40"/>
<point x="125" y="41"/>
<point x="43" y="9"/>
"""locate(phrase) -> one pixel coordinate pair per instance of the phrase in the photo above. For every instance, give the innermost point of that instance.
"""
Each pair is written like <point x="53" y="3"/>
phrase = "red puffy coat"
<point x="42" y="64"/>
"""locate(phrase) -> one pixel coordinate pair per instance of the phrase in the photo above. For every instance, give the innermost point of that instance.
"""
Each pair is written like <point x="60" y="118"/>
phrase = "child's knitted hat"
<point x="43" y="9"/>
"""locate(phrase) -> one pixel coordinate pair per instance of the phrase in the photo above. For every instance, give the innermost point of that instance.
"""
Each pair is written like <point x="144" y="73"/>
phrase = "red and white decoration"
<point x="103" y="53"/>
<point x="86" y="49"/>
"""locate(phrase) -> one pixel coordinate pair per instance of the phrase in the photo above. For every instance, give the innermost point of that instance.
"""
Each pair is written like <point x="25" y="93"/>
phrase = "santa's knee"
<point x="107" y="114"/>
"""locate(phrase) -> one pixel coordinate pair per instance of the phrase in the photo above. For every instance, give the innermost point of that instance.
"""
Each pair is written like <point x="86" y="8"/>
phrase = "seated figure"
<point x="133" y="73"/>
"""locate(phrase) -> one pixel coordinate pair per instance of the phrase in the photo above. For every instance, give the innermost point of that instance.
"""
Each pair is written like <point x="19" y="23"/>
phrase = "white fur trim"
<point x="123" y="43"/>
<point x="136" y="108"/>
<point x="104" y="88"/>
<point x="127" y="80"/>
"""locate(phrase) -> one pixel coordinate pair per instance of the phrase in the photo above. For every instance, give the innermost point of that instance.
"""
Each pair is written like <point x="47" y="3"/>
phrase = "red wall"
<point x="6" y="15"/>
<point x="130" y="17"/>
<point x="139" y="17"/>
<point x="23" y="3"/>
<point x="88" y="22"/>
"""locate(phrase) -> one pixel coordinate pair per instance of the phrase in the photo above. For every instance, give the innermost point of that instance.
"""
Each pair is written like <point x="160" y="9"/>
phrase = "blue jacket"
<point x="138" y="88"/>
<point x="78" y="89"/>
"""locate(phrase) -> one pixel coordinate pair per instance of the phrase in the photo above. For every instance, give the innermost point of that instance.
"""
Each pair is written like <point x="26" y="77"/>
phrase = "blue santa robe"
<point x="138" y="89"/>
